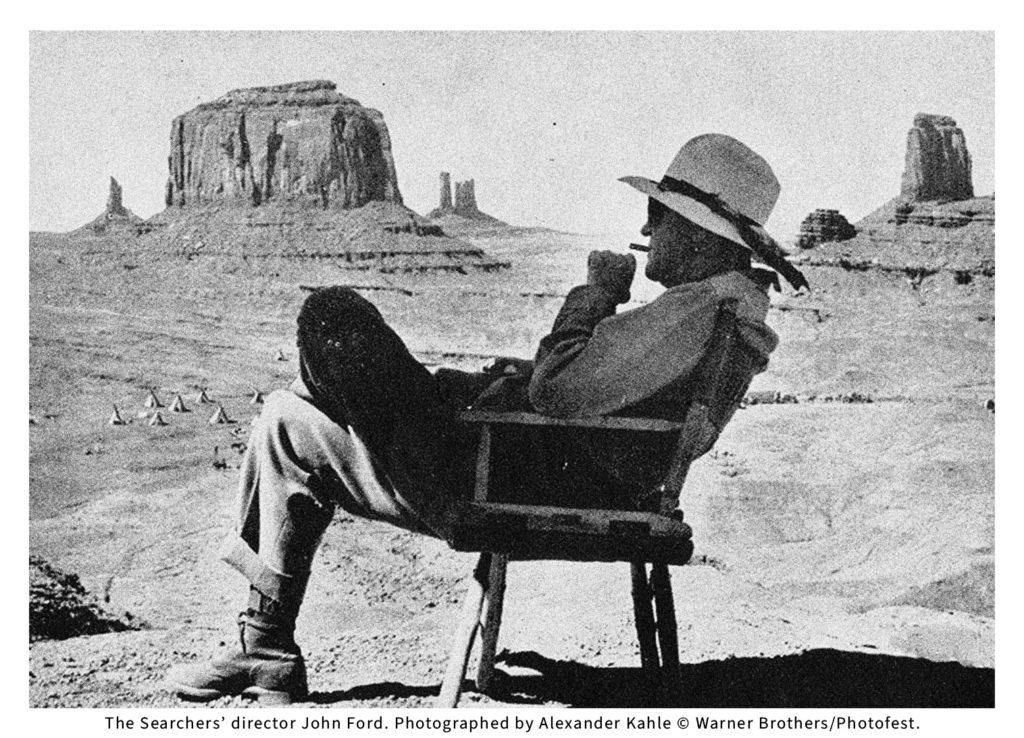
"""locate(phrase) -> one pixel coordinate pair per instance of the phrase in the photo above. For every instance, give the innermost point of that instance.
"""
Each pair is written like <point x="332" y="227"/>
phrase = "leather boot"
<point x="269" y="667"/>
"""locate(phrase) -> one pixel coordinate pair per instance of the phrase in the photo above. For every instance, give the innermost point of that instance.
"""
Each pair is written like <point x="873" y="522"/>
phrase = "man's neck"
<point x="699" y="276"/>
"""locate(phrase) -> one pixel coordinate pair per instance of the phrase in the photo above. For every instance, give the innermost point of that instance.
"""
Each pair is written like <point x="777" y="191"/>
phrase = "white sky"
<point x="544" y="122"/>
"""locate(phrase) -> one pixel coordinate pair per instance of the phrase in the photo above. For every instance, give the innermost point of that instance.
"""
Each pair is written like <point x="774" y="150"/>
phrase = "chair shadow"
<point x="816" y="678"/>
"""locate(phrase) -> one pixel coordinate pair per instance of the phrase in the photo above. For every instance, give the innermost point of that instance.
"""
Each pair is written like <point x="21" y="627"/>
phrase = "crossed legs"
<point x="364" y="429"/>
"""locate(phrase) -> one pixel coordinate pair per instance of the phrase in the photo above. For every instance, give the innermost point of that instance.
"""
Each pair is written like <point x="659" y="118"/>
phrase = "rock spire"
<point x="938" y="165"/>
<point x="446" y="191"/>
<point x="115" y="218"/>
<point x="114" y="204"/>
<point x="464" y="205"/>
<point x="465" y="199"/>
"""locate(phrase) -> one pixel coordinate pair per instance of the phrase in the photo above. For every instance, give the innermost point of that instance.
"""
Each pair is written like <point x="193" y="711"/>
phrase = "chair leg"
<point x="644" y="616"/>
<point x="493" y="605"/>
<point x="469" y="621"/>
<point x="668" y="636"/>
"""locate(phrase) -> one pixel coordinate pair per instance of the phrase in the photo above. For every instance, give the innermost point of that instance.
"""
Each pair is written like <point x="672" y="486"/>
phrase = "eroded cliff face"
<point x="300" y="141"/>
<point x="937" y="165"/>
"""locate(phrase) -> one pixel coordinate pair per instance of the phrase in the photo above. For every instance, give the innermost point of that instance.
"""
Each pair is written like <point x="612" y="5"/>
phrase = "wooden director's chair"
<point x="502" y="530"/>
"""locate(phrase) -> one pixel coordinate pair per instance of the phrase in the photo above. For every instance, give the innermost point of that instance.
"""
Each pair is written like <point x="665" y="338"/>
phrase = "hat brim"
<point x="690" y="209"/>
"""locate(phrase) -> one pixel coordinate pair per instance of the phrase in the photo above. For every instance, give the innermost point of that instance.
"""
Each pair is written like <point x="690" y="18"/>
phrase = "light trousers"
<point x="300" y="466"/>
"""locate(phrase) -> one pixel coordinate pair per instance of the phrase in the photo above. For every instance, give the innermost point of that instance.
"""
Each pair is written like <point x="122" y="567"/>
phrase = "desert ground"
<point x="844" y="540"/>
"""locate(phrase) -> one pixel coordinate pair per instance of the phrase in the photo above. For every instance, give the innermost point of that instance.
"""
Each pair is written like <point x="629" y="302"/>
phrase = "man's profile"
<point x="366" y="427"/>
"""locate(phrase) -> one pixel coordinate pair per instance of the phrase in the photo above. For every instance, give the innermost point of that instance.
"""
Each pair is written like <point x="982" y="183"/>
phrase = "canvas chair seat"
<point x="648" y="530"/>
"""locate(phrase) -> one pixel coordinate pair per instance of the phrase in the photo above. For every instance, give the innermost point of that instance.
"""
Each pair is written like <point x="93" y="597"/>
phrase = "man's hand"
<point x="509" y="366"/>
<point x="612" y="272"/>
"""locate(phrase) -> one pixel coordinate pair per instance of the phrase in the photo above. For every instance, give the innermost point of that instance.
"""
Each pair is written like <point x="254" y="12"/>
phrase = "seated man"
<point x="367" y="428"/>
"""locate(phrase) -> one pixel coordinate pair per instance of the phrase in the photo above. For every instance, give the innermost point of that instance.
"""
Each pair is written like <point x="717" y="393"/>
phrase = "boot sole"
<point x="195" y="694"/>
<point x="259" y="694"/>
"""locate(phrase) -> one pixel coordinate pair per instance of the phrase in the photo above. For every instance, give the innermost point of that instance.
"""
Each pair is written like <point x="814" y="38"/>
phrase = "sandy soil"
<point x="832" y="537"/>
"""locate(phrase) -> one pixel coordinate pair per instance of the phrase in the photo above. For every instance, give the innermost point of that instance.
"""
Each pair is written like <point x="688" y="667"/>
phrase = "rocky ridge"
<point x="383" y="237"/>
<point x="919" y="246"/>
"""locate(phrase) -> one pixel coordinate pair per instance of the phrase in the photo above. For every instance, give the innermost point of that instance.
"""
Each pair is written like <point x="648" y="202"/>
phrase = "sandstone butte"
<point x="295" y="170"/>
<point x="299" y="141"/>
<point x="935" y="223"/>
<point x="937" y="163"/>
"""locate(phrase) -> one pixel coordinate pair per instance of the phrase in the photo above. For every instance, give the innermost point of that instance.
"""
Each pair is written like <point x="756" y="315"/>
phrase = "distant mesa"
<point x="296" y="170"/>
<point x="302" y="170"/>
<point x="116" y="218"/>
<point x="935" y="224"/>
<point x="464" y="205"/>
<point x="823" y="226"/>
<point x="937" y="191"/>
<point x="302" y="141"/>
<point x="937" y="165"/>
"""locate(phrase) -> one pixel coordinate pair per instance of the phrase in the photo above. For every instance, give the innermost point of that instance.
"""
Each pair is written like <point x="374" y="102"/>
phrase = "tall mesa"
<point x="299" y="141"/>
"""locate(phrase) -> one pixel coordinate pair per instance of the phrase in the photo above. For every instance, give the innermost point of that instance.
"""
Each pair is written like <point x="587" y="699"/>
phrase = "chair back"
<point x="720" y="382"/>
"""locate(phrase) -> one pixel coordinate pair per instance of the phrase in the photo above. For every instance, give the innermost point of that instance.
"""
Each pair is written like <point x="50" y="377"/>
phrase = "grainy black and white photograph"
<point x="506" y="369"/>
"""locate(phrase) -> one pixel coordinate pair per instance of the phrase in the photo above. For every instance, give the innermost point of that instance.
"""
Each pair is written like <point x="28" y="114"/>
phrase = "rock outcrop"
<point x="936" y="231"/>
<point x="115" y="204"/>
<point x="823" y="226"/>
<point x="955" y="214"/>
<point x="956" y="239"/>
<point x="301" y="141"/>
<point x="446" y="191"/>
<point x="465" y="199"/>
<point x="60" y="607"/>
<point x="465" y="202"/>
<point x="116" y="218"/>
<point x="938" y="165"/>
<point x="295" y="171"/>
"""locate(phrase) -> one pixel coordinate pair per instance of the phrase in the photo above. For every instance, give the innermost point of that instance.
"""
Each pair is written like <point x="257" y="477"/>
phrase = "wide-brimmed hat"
<point x="723" y="186"/>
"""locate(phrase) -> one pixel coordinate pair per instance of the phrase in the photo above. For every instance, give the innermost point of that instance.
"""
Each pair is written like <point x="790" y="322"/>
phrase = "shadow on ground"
<point x="377" y="691"/>
<point x="818" y="678"/>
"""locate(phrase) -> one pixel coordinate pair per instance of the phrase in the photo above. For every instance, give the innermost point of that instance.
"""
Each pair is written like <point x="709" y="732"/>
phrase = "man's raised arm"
<point x="609" y="276"/>
<point x="595" y="362"/>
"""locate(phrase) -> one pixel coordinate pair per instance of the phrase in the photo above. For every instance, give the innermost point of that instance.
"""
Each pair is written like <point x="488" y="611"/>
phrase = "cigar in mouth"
<point x="639" y="247"/>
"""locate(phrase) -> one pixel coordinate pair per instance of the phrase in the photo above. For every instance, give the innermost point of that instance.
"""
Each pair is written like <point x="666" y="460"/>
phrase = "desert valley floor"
<point x="847" y="532"/>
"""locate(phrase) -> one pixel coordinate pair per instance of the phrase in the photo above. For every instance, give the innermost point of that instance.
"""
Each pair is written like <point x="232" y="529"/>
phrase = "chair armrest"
<point x="595" y="422"/>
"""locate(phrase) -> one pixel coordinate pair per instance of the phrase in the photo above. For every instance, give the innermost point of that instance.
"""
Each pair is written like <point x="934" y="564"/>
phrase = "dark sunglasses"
<point x="655" y="212"/>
